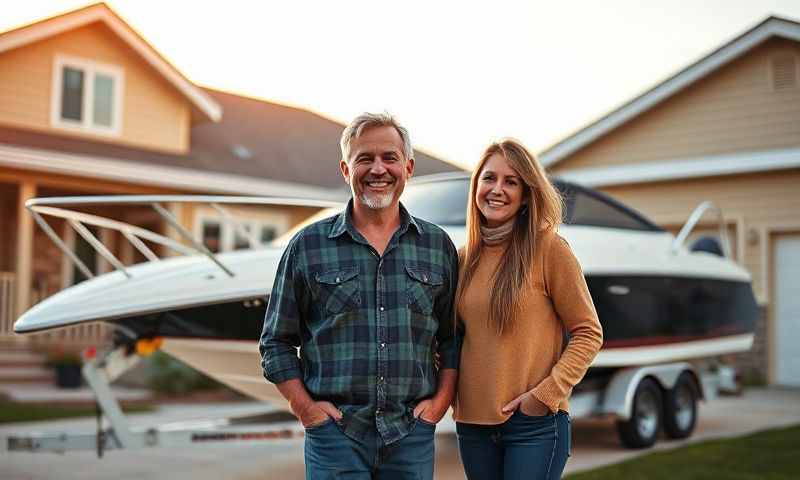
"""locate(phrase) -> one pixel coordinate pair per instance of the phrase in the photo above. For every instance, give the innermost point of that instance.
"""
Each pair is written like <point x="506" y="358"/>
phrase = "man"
<point x="367" y="296"/>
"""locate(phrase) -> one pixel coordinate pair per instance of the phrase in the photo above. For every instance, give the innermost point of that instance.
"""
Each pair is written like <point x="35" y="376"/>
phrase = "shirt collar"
<point x="344" y="222"/>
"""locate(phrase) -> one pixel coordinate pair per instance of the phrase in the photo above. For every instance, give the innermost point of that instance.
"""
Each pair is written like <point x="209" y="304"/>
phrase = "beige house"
<point x="725" y="129"/>
<point x="89" y="107"/>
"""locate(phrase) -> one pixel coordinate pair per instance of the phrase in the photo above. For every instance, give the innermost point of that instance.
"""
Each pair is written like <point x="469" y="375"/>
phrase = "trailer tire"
<point x="680" y="407"/>
<point x="641" y="430"/>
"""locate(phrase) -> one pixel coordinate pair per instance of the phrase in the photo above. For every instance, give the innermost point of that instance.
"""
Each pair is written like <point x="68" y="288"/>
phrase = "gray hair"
<point x="369" y="120"/>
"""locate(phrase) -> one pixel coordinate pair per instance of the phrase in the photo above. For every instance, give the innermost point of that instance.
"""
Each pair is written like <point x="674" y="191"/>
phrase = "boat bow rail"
<point x="694" y="219"/>
<point x="78" y="220"/>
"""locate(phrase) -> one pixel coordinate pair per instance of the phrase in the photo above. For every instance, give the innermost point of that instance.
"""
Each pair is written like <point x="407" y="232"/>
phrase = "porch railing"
<point x="89" y="334"/>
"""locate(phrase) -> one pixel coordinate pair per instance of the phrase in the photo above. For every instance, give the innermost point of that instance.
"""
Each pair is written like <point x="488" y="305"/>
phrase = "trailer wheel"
<point x="680" y="407"/>
<point x="641" y="430"/>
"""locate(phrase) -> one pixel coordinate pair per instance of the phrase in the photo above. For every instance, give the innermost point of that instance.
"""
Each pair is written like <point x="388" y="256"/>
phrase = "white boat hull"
<point x="237" y="363"/>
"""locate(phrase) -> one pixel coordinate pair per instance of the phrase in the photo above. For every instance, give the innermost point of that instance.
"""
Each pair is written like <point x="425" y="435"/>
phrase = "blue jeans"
<point x="330" y="454"/>
<point x="521" y="448"/>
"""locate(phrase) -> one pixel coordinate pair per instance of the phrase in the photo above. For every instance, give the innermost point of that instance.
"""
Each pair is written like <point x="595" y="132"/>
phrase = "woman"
<point x="521" y="292"/>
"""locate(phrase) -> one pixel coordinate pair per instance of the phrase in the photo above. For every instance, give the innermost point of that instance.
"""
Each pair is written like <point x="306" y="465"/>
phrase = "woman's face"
<point x="500" y="191"/>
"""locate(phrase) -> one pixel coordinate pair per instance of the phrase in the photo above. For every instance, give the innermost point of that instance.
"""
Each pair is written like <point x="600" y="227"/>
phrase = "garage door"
<point x="787" y="310"/>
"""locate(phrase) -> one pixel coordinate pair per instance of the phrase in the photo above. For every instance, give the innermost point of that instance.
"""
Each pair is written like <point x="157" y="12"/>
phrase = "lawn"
<point x="13" y="412"/>
<point x="774" y="454"/>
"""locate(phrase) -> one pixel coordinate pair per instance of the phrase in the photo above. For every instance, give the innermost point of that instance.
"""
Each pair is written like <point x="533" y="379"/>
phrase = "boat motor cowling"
<point x="707" y="244"/>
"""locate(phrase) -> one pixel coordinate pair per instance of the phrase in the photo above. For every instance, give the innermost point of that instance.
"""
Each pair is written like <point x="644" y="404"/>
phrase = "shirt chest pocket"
<point x="422" y="287"/>
<point x="338" y="290"/>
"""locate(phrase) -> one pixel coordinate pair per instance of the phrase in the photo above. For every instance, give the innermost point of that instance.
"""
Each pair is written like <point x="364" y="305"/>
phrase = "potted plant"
<point x="67" y="366"/>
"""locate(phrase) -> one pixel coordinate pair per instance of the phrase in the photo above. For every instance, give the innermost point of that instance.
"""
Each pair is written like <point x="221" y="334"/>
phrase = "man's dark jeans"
<point x="521" y="448"/>
<point x="330" y="454"/>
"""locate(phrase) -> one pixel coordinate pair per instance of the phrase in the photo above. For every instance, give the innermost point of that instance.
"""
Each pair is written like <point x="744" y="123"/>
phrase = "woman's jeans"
<point x="521" y="448"/>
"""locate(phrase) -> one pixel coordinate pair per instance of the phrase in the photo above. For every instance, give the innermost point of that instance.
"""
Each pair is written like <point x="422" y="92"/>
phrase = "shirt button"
<point x="382" y="309"/>
<point x="377" y="411"/>
<point x="380" y="379"/>
<point x="383" y="345"/>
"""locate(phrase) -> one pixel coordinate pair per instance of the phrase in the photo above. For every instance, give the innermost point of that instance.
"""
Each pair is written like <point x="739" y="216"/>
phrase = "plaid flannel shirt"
<point x="367" y="326"/>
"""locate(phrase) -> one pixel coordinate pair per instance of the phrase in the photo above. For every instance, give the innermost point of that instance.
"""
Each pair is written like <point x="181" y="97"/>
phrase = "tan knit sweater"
<point x="496" y="369"/>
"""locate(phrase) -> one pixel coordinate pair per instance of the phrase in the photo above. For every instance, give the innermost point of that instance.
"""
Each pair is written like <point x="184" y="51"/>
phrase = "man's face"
<point x="377" y="169"/>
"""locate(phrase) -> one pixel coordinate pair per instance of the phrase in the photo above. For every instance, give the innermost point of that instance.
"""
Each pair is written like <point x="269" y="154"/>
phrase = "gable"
<point x="152" y="113"/>
<point x="204" y="107"/>
<point x="734" y="109"/>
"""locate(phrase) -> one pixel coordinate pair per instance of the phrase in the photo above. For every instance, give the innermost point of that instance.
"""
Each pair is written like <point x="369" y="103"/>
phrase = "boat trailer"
<point x="99" y="372"/>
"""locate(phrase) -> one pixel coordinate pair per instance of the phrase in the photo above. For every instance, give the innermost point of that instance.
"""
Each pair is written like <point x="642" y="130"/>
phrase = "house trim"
<point x="675" y="169"/>
<point x="155" y="175"/>
<point x="771" y="27"/>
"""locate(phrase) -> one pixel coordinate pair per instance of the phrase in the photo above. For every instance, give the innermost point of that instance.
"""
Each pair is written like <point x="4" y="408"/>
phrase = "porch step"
<point x="21" y="358"/>
<point x="26" y="375"/>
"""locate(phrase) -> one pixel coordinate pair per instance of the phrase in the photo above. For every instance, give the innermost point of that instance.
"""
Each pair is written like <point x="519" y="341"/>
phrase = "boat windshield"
<point x="442" y="202"/>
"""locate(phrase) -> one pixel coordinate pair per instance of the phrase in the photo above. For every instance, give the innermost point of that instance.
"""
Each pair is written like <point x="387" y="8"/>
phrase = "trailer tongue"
<point x="272" y="425"/>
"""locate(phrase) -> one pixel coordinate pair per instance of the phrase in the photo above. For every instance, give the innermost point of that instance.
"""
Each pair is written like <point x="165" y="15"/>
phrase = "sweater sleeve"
<point x="566" y="286"/>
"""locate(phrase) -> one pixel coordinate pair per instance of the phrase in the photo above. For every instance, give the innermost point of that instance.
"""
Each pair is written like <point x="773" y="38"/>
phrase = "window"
<point x="87" y="96"/>
<point x="212" y="235"/>
<point x="221" y="236"/>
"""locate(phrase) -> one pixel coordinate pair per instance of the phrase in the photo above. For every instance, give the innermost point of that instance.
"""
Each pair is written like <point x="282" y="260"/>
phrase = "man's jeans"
<point x="521" y="448"/>
<point x="330" y="454"/>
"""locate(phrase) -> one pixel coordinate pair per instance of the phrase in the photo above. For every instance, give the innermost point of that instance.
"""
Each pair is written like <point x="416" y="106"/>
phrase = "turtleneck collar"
<point x="493" y="236"/>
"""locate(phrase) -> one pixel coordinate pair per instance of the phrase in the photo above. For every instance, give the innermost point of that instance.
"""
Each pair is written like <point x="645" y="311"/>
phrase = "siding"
<point x="758" y="202"/>
<point x="734" y="109"/>
<point x="155" y="115"/>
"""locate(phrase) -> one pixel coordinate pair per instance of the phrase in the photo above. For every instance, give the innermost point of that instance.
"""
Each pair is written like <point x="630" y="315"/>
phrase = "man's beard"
<point x="377" y="202"/>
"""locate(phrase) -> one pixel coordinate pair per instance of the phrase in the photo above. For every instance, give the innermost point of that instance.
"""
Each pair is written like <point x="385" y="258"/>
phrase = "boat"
<point x="658" y="299"/>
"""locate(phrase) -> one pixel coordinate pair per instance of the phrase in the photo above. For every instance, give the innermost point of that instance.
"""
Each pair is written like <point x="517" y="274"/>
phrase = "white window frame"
<point x="228" y="230"/>
<point x="90" y="68"/>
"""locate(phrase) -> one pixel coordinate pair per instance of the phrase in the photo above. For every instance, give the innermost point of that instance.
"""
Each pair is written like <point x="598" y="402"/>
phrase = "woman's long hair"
<point x="541" y="211"/>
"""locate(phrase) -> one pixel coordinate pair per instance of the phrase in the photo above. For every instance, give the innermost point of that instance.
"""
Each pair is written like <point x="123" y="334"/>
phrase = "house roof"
<point x="736" y="48"/>
<point x="255" y="139"/>
<point x="284" y="142"/>
<point x="203" y="105"/>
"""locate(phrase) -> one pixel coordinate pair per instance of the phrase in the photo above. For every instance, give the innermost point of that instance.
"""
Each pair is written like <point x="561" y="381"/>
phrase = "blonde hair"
<point x="541" y="211"/>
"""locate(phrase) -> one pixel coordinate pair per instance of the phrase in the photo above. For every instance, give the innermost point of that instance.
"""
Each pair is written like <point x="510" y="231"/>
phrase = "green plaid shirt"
<point x="367" y="325"/>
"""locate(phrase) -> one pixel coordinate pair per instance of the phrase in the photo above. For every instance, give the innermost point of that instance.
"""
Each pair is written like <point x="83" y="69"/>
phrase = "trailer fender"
<point x="618" y="395"/>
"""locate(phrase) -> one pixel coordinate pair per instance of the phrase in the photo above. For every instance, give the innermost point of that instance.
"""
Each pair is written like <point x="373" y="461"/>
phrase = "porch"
<point x="33" y="268"/>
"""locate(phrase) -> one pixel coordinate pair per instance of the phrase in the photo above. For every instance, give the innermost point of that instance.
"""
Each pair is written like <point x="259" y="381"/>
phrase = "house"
<point x="88" y="107"/>
<point x="725" y="129"/>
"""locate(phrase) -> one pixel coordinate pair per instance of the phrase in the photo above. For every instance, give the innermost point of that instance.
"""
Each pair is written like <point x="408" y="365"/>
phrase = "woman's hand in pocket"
<point x="528" y="404"/>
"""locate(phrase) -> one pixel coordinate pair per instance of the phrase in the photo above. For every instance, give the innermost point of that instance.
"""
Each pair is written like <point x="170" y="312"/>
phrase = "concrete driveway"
<point x="595" y="444"/>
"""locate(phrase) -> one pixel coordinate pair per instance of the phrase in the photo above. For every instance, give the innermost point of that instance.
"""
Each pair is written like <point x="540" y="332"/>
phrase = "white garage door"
<point x="787" y="310"/>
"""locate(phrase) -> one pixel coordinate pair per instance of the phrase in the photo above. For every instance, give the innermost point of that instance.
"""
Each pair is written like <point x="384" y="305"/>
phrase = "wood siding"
<point x="734" y="109"/>
<point x="756" y="204"/>
<point x="154" y="114"/>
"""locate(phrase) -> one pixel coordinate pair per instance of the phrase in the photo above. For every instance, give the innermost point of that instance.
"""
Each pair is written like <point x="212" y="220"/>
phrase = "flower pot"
<point x="68" y="376"/>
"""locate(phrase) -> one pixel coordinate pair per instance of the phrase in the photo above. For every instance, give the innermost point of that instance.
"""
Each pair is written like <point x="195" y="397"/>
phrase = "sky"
<point x="458" y="74"/>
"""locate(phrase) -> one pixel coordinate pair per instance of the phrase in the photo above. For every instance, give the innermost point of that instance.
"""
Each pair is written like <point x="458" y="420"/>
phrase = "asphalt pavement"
<point x="595" y="444"/>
